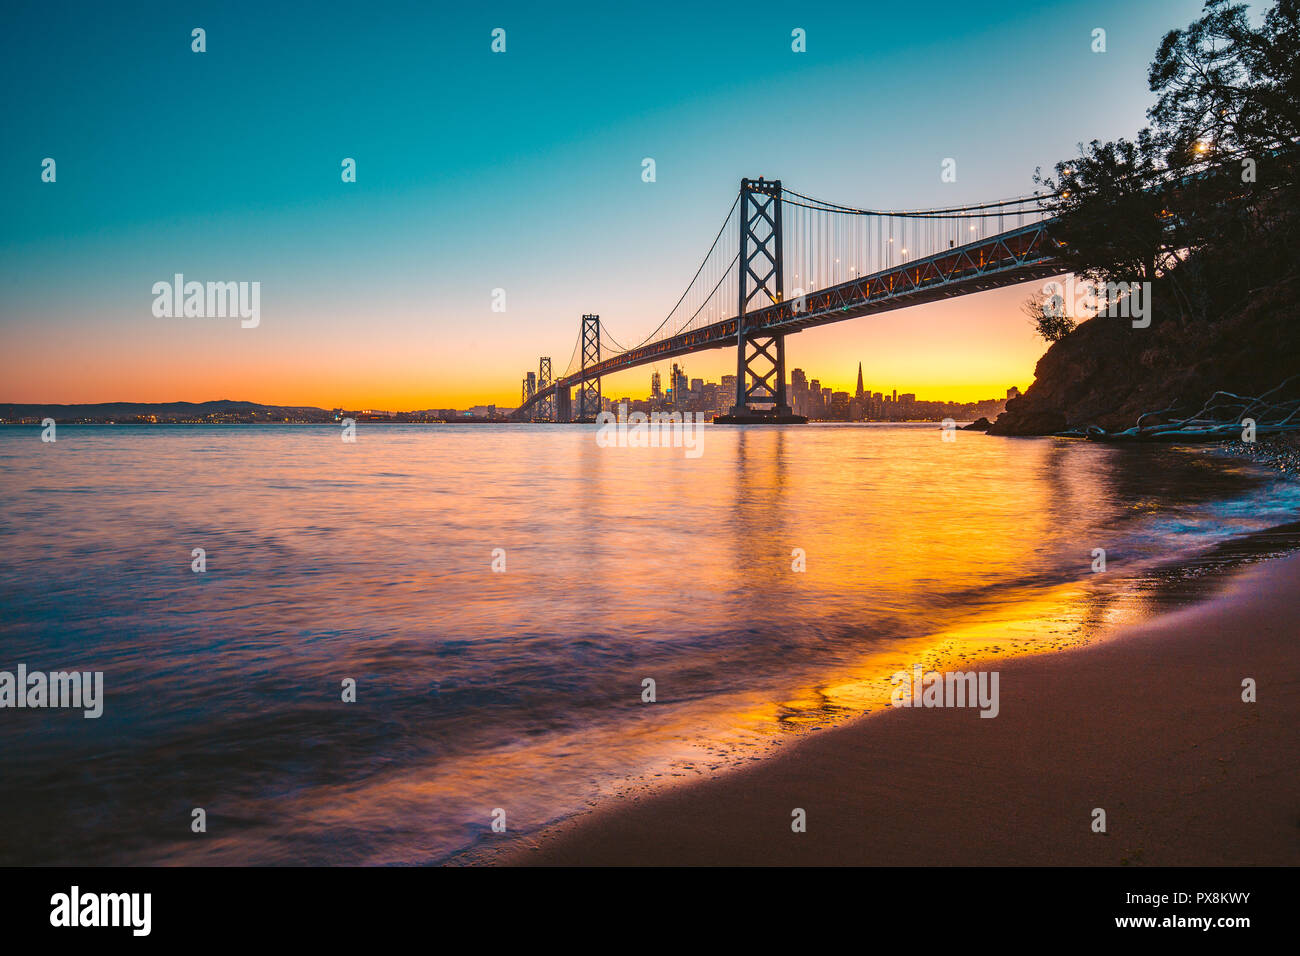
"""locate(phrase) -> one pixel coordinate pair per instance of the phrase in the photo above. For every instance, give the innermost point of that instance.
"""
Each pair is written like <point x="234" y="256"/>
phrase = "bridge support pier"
<point x="527" y="390"/>
<point x="546" y="407"/>
<point x="760" y="384"/>
<point x="589" y="389"/>
<point x="760" y="358"/>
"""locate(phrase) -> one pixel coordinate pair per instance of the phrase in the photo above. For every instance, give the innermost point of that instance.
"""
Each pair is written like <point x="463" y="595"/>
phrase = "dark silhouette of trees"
<point x="1224" y="87"/>
<point x="1113" y="225"/>
<point x="1203" y="200"/>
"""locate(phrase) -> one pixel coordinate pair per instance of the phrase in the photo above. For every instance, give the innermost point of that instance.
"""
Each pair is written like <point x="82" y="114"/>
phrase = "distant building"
<point x="712" y="398"/>
<point x="681" y="387"/>
<point x="799" y="392"/>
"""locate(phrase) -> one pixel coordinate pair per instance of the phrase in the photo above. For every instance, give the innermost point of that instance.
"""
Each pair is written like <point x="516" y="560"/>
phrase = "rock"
<point x="979" y="425"/>
<point x="1044" y="421"/>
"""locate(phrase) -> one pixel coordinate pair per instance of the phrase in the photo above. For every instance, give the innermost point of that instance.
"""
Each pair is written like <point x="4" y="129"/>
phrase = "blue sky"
<point x="478" y="170"/>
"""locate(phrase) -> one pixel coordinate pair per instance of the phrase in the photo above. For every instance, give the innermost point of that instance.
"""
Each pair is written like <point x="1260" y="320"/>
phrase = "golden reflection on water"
<point x="1066" y="616"/>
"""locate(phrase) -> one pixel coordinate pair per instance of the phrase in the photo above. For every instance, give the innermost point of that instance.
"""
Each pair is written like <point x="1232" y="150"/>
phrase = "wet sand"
<point x="1148" y="725"/>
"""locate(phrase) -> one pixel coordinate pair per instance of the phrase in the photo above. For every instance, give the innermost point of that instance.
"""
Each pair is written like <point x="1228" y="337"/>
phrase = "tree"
<point x="1113" y="227"/>
<point x="1224" y="86"/>
<point x="1048" y="317"/>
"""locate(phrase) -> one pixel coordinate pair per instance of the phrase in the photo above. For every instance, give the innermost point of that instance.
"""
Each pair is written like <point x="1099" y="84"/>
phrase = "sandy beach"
<point x="1148" y="725"/>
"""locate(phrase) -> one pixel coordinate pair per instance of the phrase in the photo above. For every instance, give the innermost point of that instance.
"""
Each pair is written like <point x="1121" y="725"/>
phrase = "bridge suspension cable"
<point x="704" y="294"/>
<point x="573" y="359"/>
<point x="828" y="243"/>
<point x="951" y="212"/>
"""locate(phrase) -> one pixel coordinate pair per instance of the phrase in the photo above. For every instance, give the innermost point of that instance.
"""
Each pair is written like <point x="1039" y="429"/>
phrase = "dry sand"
<point x="1149" y="726"/>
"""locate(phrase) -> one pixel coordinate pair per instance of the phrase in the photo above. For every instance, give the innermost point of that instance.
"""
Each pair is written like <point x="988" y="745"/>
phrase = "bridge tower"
<point x="529" y="388"/>
<point x="545" y="407"/>
<point x="589" y="389"/>
<point x="760" y="357"/>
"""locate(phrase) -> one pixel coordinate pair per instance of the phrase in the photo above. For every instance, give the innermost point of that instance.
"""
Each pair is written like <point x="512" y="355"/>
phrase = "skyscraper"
<point x="858" y="393"/>
<point x="799" y="392"/>
<point x="681" y="387"/>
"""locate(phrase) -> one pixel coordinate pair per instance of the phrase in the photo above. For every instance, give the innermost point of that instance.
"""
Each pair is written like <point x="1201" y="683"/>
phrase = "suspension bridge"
<point x="839" y="262"/>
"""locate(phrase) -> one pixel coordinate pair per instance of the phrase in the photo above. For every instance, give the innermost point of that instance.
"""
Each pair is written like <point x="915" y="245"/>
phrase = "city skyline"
<point x="808" y="396"/>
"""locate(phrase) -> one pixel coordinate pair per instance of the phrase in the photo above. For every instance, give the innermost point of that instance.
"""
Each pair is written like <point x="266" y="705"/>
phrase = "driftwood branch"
<point x="1222" y="418"/>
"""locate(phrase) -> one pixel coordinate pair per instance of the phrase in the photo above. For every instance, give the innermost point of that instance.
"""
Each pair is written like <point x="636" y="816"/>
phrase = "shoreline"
<point x="1147" y="724"/>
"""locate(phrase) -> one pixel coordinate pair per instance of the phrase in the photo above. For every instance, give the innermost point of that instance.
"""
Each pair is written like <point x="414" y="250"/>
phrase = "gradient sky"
<point x="519" y="170"/>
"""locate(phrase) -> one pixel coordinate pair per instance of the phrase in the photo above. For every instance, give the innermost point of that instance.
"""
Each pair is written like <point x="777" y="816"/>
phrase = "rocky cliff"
<point x="1107" y="373"/>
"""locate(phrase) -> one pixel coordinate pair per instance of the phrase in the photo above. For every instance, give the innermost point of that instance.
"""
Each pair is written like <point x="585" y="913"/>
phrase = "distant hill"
<point x="221" y="410"/>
